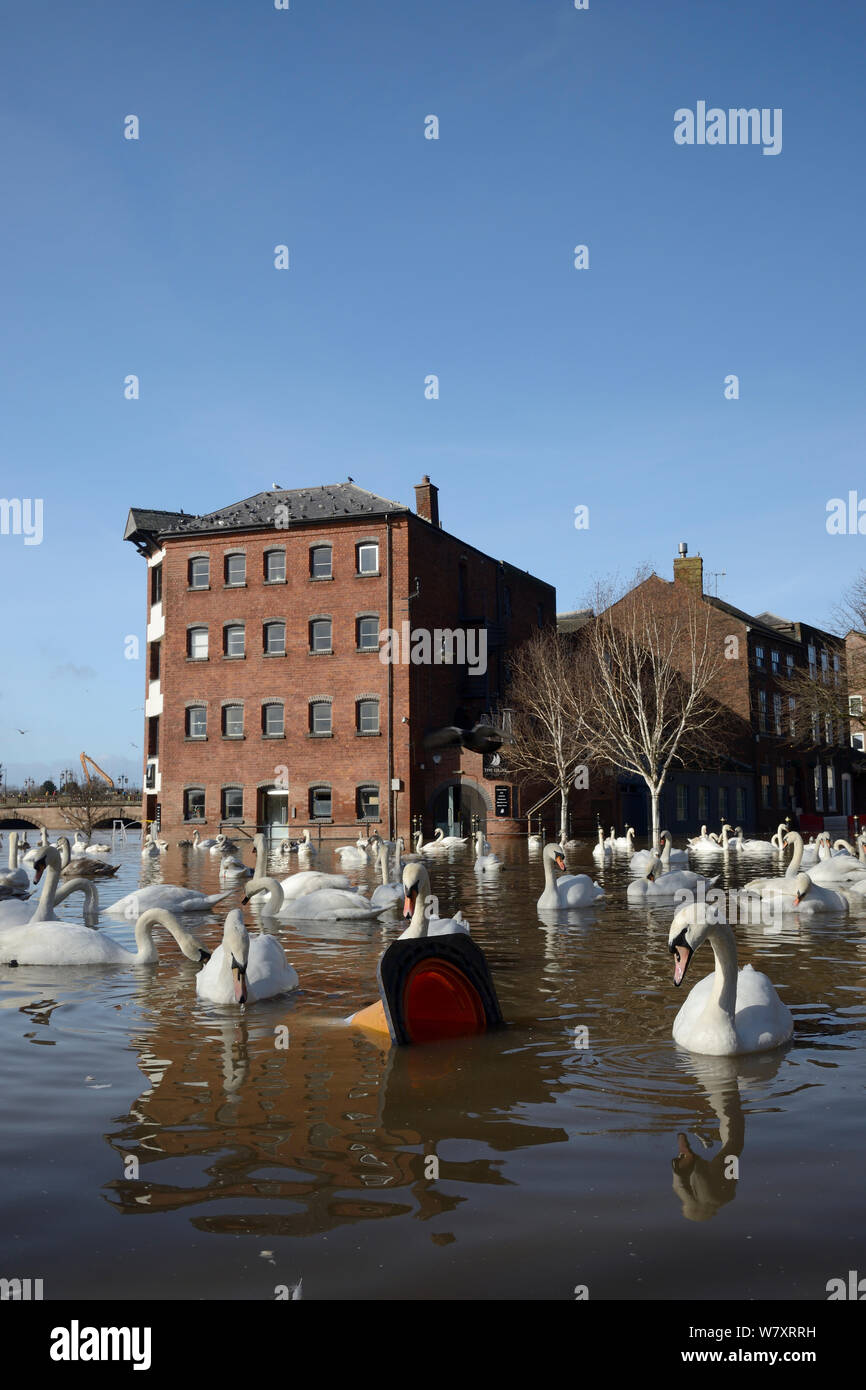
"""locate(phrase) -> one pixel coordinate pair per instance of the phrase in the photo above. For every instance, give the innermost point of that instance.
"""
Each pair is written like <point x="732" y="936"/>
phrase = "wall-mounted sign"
<point x="158" y="817"/>
<point x="502" y="801"/>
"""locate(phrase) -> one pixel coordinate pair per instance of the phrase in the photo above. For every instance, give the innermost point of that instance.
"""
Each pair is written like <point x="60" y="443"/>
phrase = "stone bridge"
<point x="51" y="813"/>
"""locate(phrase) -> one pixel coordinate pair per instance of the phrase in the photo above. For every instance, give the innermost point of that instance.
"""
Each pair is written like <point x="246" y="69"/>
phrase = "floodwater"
<point x="259" y="1166"/>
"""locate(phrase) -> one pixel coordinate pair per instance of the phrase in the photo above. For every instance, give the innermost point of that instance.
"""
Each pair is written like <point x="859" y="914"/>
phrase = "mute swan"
<point x="416" y="890"/>
<point x="321" y="904"/>
<point x="245" y="969"/>
<point x="533" y="841"/>
<point x="485" y="861"/>
<point x="749" y="846"/>
<point x="82" y="866"/>
<point x="602" y="850"/>
<point x="150" y="849"/>
<point x="813" y="897"/>
<point x="565" y="843"/>
<point x="727" y="1013"/>
<point x="388" y="893"/>
<point x="14" y="878"/>
<point x="167" y="897"/>
<point x="16" y="913"/>
<point x="199" y="843"/>
<point x="703" y="841"/>
<point x="65" y="943"/>
<point x="669" y="855"/>
<point x="569" y="890"/>
<point x="232" y="866"/>
<point x="306" y="848"/>
<point x="660" y="885"/>
<point x="353" y="857"/>
<point x="621" y="841"/>
<point x="777" y="841"/>
<point x="299" y="884"/>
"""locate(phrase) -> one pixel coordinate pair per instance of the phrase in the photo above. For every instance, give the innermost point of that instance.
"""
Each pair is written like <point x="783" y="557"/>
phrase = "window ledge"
<point x="368" y="733"/>
<point x="274" y="581"/>
<point x="271" y="655"/>
<point x="226" y="657"/>
<point x="312" y="735"/>
<point x="198" y="588"/>
<point x="367" y="651"/>
<point x="321" y="579"/>
<point x="234" y="738"/>
<point x="240" y="584"/>
<point x="368" y="574"/>
<point x="198" y="658"/>
<point x="273" y="736"/>
<point x="329" y="652"/>
<point x="195" y="738"/>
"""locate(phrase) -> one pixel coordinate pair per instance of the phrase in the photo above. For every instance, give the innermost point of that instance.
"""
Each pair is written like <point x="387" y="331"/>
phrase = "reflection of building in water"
<point x="307" y="1135"/>
<point x="703" y="1185"/>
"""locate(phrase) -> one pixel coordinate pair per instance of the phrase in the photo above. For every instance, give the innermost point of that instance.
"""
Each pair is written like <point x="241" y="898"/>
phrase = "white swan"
<point x="306" y="848"/>
<point x="245" y="969"/>
<point x="65" y="943"/>
<point x="750" y="846"/>
<point x="351" y="856"/>
<point x="168" y="897"/>
<point x="777" y="841"/>
<point x="602" y="850"/>
<point x="150" y="849"/>
<point x="703" y="841"/>
<point x="17" y="913"/>
<point x="813" y="897"/>
<point x="199" y="843"/>
<point x="727" y="1013"/>
<point x="569" y="890"/>
<point x="669" y="855"/>
<point x="388" y="893"/>
<point x="485" y="861"/>
<point x="622" y="842"/>
<point x="320" y="904"/>
<point x="14" y="878"/>
<point x="424" y="922"/>
<point x="656" y="884"/>
<point x="534" y="841"/>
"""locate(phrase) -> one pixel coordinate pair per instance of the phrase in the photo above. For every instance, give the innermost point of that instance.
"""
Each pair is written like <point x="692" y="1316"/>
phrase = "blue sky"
<point x="558" y="387"/>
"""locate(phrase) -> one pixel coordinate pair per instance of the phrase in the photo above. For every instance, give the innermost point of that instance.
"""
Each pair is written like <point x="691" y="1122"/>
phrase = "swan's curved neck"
<point x="797" y="857"/>
<point x="420" y="921"/>
<point x="724" y="995"/>
<point x="13" y="849"/>
<point x="267" y="885"/>
<point x="45" y="909"/>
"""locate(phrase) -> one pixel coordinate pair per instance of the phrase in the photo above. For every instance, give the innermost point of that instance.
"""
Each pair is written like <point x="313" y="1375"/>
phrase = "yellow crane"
<point x="85" y="759"/>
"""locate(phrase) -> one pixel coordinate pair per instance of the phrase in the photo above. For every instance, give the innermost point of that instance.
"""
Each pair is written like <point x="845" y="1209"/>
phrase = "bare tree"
<point x="87" y="803"/>
<point x="649" y="704"/>
<point x="549" y="732"/>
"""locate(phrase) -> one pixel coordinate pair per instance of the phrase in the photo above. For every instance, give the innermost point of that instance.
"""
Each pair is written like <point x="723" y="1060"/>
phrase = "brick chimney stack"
<point x="689" y="570"/>
<point x="427" y="500"/>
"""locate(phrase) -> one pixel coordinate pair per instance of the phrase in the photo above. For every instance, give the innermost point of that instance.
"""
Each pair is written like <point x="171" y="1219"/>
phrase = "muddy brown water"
<point x="154" y="1146"/>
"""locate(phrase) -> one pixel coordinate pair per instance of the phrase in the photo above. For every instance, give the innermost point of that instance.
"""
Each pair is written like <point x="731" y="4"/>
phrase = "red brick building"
<point x="267" y="700"/>
<point x="777" y="760"/>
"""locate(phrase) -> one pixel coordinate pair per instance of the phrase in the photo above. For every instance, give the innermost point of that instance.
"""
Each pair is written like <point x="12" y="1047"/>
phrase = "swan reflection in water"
<point x="704" y="1185"/>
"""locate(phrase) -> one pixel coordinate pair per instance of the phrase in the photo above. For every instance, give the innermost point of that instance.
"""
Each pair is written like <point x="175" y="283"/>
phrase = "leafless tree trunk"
<point x="549" y="733"/>
<point x="650" y="705"/>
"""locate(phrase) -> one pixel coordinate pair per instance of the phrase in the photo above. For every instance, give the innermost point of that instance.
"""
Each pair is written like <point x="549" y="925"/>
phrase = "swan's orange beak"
<point x="409" y="904"/>
<point x="239" y="976"/>
<point x="560" y="861"/>
<point x="682" y="956"/>
<point x="39" y="871"/>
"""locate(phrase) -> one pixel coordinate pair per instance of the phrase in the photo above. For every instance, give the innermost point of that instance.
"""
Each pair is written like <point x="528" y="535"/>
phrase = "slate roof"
<point x="328" y="502"/>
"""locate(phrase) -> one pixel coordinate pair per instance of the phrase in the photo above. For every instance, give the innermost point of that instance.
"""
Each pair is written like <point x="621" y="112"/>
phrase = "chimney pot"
<point x="689" y="570"/>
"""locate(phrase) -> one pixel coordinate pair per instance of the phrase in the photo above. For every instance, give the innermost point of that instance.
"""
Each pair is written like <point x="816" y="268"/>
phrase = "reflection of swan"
<point x="727" y="1013"/>
<point x="65" y="943"/>
<point x="243" y="969"/>
<point x="416" y="886"/>
<point x="17" y="913"/>
<point x="569" y="890"/>
<point x="485" y="861"/>
<point x="167" y="896"/>
<point x="656" y="884"/>
<point x="13" y="877"/>
<point x="703" y="1185"/>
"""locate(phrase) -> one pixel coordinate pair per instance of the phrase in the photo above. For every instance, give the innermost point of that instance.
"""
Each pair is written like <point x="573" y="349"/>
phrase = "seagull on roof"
<point x="276" y="487"/>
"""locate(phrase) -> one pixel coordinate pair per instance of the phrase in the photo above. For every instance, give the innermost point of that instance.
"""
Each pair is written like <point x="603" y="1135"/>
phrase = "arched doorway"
<point x="454" y="803"/>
